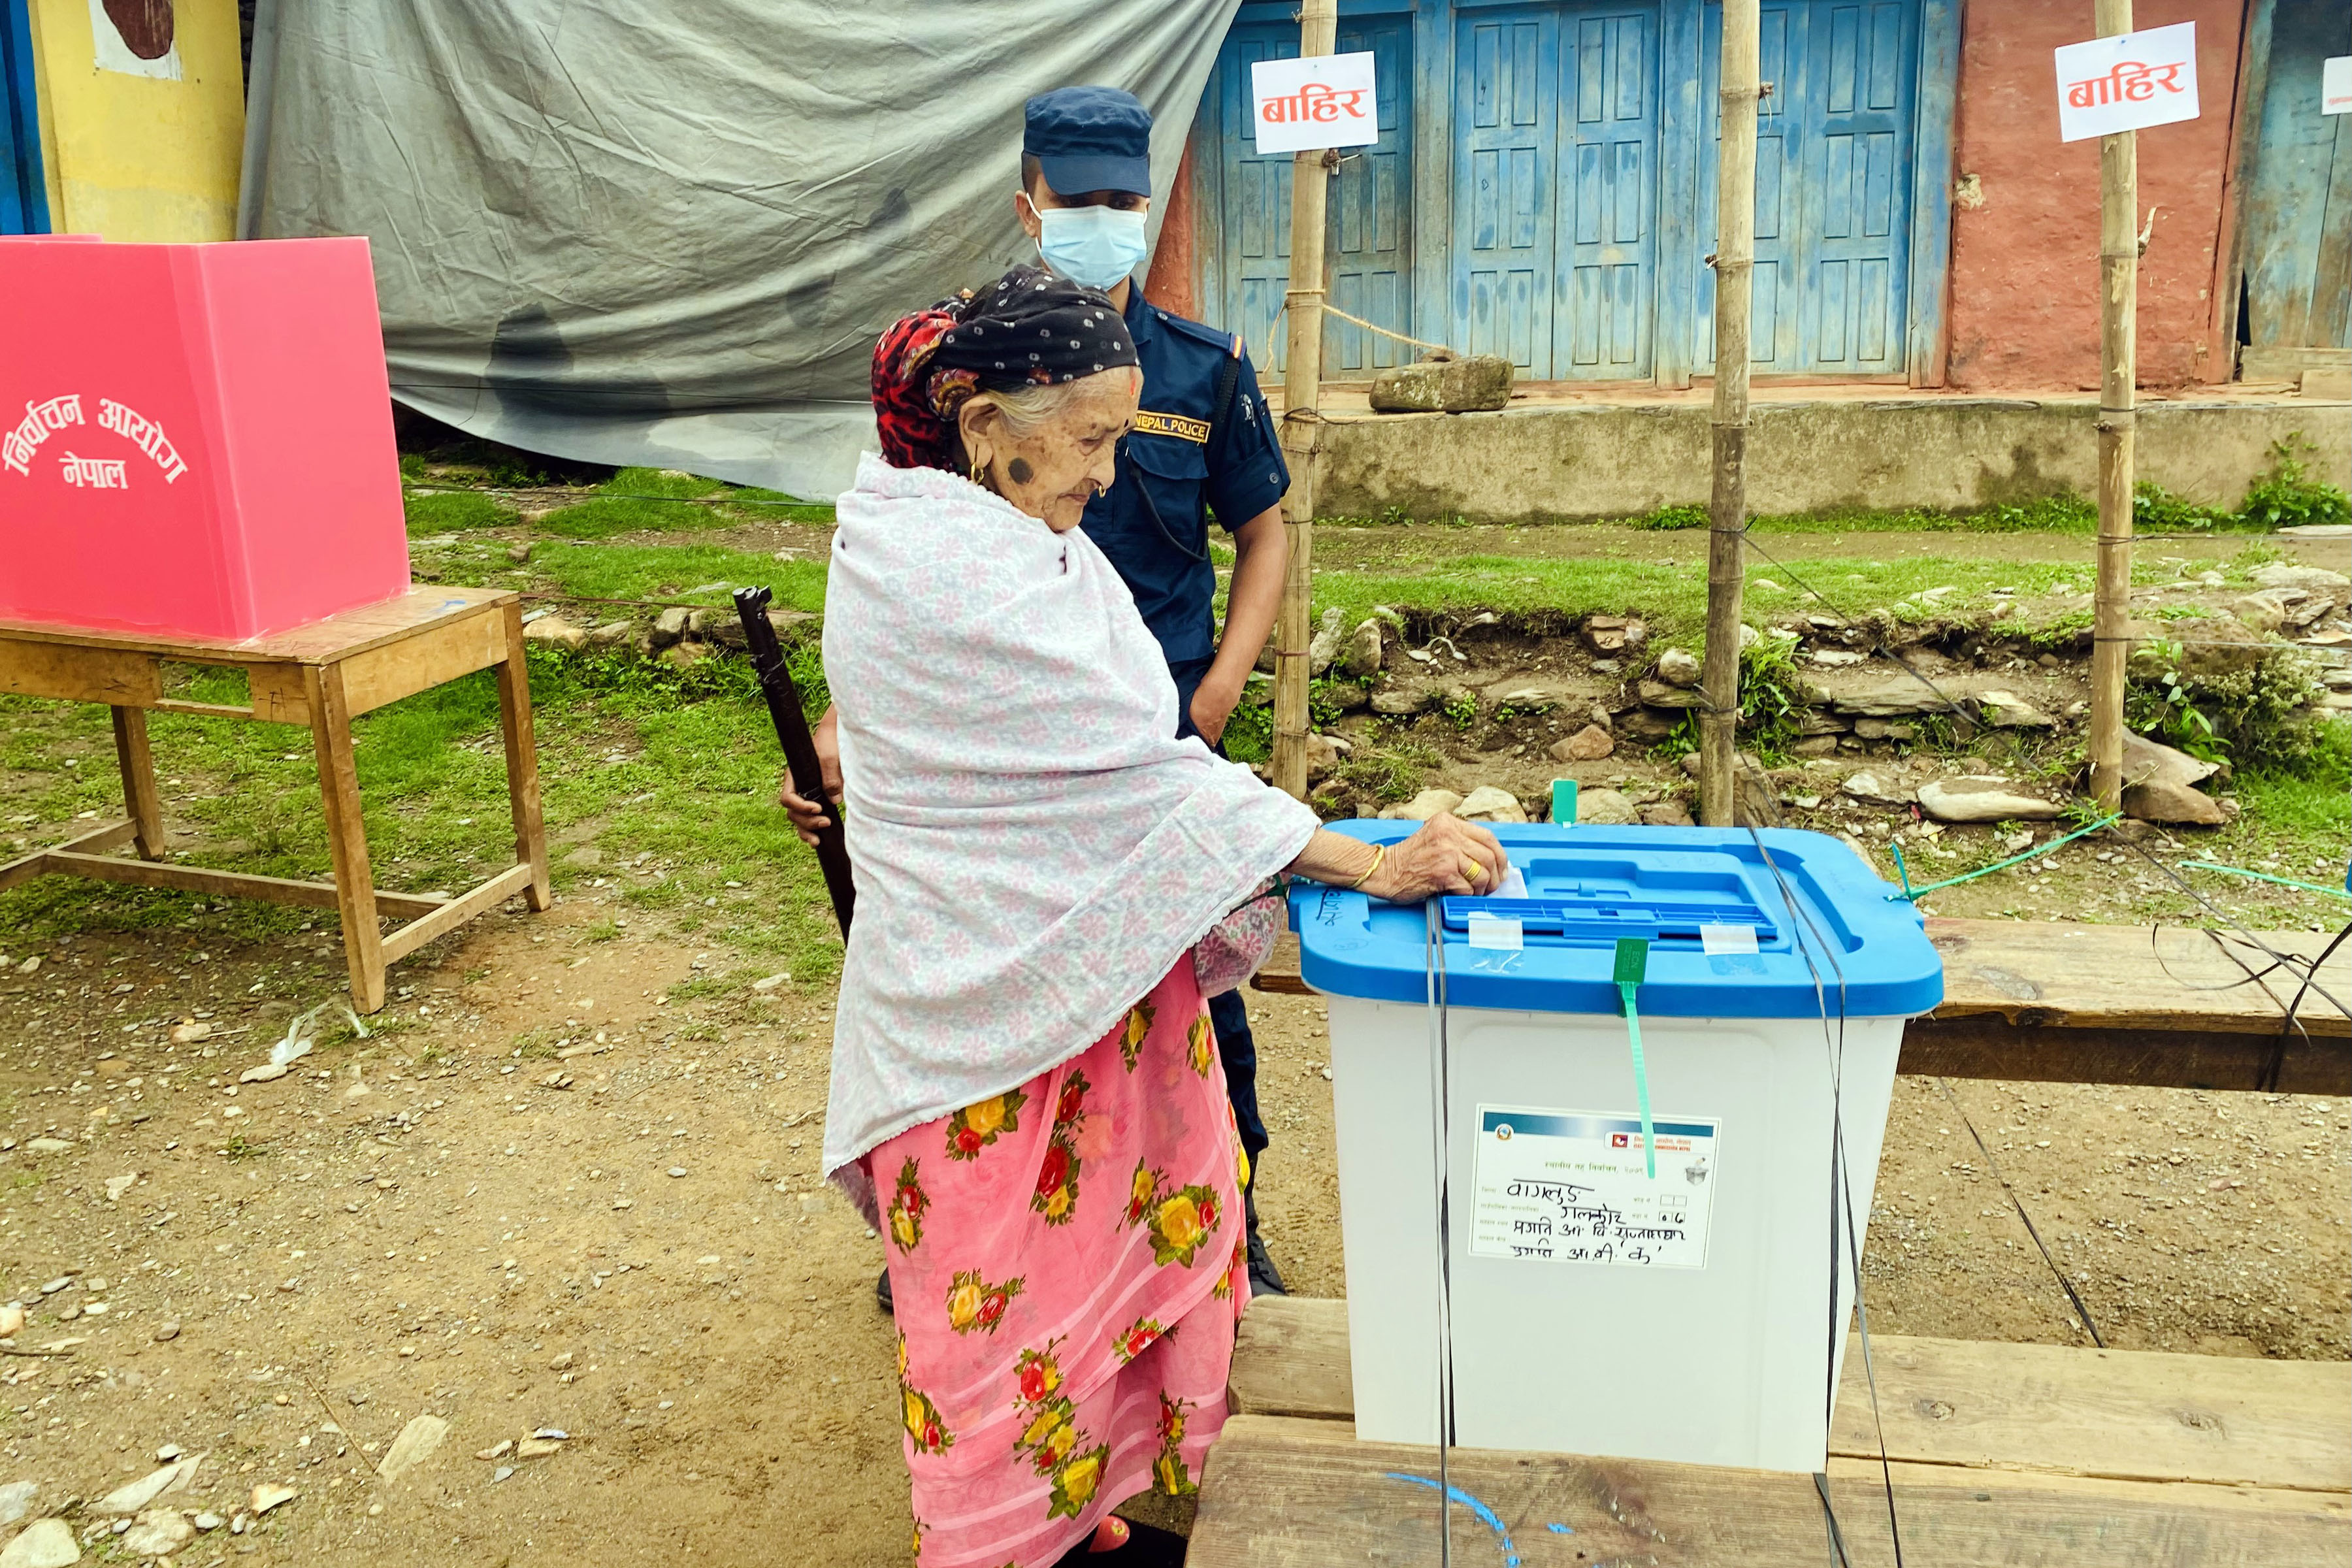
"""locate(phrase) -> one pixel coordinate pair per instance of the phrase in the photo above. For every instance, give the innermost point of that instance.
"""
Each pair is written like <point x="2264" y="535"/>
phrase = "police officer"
<point x="1202" y="443"/>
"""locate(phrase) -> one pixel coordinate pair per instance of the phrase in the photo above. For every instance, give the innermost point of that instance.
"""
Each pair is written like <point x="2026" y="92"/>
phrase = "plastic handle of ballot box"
<point x="1632" y="965"/>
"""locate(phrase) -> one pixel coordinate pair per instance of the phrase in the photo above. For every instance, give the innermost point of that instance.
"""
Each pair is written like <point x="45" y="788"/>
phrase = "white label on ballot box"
<point x="1572" y="1186"/>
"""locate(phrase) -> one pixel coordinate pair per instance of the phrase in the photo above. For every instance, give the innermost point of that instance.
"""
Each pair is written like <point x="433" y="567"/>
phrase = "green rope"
<point x="1915" y="894"/>
<point x="2266" y="877"/>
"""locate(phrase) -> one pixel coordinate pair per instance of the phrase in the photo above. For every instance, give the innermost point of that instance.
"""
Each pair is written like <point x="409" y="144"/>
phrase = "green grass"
<point x="639" y="757"/>
<point x="636" y="500"/>
<point x="450" y="511"/>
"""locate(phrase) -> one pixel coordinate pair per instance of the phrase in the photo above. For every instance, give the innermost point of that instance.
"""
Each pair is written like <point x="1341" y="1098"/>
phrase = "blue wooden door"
<point x="24" y="200"/>
<point x="1833" y="153"/>
<point x="1555" y="188"/>
<point x="2298" y="202"/>
<point x="1244" y="222"/>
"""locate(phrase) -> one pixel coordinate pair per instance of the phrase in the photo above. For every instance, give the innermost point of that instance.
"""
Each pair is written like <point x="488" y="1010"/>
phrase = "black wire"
<point x="2063" y="1283"/>
<point x="2276" y="957"/>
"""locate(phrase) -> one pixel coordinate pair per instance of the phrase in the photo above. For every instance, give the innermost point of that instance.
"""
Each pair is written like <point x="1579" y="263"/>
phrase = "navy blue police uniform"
<point x="1202" y="443"/>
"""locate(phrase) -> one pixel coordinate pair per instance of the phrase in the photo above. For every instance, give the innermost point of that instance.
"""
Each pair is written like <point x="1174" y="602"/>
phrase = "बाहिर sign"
<point x="1328" y="101"/>
<point x="2336" y="85"/>
<point x="2128" y="83"/>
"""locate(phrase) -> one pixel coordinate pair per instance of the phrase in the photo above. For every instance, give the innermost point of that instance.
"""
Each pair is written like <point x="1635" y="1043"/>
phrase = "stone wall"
<point x="1575" y="462"/>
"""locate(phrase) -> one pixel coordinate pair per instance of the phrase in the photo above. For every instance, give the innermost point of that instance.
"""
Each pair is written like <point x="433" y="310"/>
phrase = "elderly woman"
<point x="1026" y="1099"/>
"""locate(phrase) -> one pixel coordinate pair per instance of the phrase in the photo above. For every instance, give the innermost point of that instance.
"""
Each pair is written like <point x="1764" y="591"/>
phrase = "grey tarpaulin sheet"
<point x="670" y="234"/>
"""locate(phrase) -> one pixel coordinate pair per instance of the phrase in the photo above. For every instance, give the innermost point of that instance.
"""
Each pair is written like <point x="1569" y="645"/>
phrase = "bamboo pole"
<point x="1318" y="31"/>
<point x="2118" y="421"/>
<point x="1735" y="264"/>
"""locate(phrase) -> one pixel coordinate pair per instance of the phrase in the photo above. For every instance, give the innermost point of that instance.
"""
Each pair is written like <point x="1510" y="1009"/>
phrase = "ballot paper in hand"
<point x="1514" y="884"/>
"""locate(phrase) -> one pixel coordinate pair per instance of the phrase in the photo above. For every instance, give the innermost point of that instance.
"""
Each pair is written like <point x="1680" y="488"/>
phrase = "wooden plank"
<point x="1302" y="1494"/>
<point x="279" y="693"/>
<point x="339" y="791"/>
<point x="226" y="884"/>
<point x="522" y="760"/>
<point x="428" y="657"/>
<point x="400" y="943"/>
<point x="72" y="674"/>
<point x="2111" y="1415"/>
<point x="323" y="641"/>
<point x="1987" y="1045"/>
<point x="2060" y="973"/>
<point x="106" y="836"/>
<point x="139" y="795"/>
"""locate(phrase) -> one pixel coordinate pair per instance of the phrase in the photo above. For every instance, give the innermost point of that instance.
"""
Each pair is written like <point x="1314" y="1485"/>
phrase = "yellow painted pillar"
<point x="140" y="142"/>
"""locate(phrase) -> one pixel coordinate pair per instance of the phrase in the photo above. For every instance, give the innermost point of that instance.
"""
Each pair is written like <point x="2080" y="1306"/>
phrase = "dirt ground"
<point x="630" y="1245"/>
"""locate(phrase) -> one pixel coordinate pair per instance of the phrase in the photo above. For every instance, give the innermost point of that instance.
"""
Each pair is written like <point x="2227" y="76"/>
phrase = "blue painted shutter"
<point x="2298" y="202"/>
<point x="1506" y="132"/>
<point x="1246" y="213"/>
<point x="1610" y="119"/>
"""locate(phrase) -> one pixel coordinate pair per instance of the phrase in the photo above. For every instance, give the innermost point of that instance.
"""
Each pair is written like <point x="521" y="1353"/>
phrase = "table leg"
<point x="339" y="791"/>
<point x="140" y="799"/>
<point x="522" y="762"/>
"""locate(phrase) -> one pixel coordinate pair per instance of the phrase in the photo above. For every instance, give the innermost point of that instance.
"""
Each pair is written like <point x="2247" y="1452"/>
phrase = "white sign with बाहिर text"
<point x="1326" y="100"/>
<point x="2128" y="83"/>
<point x="2336" y="85"/>
<point x="1573" y="1187"/>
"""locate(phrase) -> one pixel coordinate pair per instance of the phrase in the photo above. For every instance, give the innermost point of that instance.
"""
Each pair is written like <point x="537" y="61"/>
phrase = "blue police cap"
<point x="1090" y="139"/>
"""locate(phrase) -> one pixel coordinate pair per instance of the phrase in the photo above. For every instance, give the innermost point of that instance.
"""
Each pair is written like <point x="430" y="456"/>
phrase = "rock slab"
<point x="1589" y="744"/>
<point x="416" y="1444"/>
<point x="1429" y="803"/>
<point x="2160" y="784"/>
<point x="1442" y="383"/>
<point x="1981" y="798"/>
<point x="46" y="1543"/>
<point x="1488" y="803"/>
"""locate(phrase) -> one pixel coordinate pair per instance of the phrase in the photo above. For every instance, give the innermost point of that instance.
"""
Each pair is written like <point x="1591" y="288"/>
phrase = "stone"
<point x="1837" y="658"/>
<point x="1666" y="814"/>
<point x="17" y="1501"/>
<point x="1529" y="693"/>
<point x="166" y="1332"/>
<point x="1401" y="699"/>
<point x="2008" y="710"/>
<point x="1878" y="694"/>
<point x="1488" y="803"/>
<point x="2160" y="784"/>
<point x="684" y="655"/>
<point x="158" y="1532"/>
<point x="1440" y="382"/>
<point x="1814" y="746"/>
<point x="1869" y="788"/>
<point x="1363" y="654"/>
<point x="1429" y="803"/>
<point x="728" y="631"/>
<point x="125" y="1501"/>
<point x="1886" y="729"/>
<point x="1604" y="808"/>
<point x="1347" y="696"/>
<point x="268" y="1072"/>
<point x="2279" y="574"/>
<point x="1589" y="744"/>
<point x="770" y="981"/>
<point x="416" y="1444"/>
<point x="190" y="1032"/>
<point x="207" y="1521"/>
<point x="1611" y="635"/>
<point x="554" y="631"/>
<point x="1324" y="754"/>
<point x="669" y="626"/>
<point x="1981" y="798"/>
<point x="118" y="1186"/>
<point x="46" y="1543"/>
<point x="537" y="1449"/>
<point x="47" y="1146"/>
<point x="518" y="554"/>
<point x="1645" y="726"/>
<point x="1660" y="694"/>
<point x="1324" y="647"/>
<point x="611" y="634"/>
<point x="2282" y="609"/>
<point x="267" y="1494"/>
<point x="1678" y="667"/>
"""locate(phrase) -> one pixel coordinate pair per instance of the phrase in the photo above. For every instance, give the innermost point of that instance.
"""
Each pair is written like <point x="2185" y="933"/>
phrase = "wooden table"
<point x="322" y="676"/>
<point x="2070" y="1003"/>
<point x="2022" y="1456"/>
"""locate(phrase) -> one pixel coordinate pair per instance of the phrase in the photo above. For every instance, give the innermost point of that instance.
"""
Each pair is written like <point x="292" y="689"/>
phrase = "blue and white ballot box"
<point x="1681" y="1295"/>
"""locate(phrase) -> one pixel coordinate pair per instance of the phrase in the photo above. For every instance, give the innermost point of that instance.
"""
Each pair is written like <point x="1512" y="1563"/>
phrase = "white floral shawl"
<point x="1032" y="849"/>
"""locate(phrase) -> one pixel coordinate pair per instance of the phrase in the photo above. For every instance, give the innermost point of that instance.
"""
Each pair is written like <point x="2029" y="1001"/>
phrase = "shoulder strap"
<point x="1229" y="376"/>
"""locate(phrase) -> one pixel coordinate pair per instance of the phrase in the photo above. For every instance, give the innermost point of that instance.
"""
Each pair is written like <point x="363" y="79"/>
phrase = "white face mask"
<point x="1097" y="247"/>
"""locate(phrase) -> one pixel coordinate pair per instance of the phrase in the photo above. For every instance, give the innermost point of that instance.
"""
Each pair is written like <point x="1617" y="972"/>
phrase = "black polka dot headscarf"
<point x="1028" y="328"/>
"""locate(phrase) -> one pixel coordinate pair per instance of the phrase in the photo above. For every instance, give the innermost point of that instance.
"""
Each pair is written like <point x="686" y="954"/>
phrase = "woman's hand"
<point x="1446" y="856"/>
<point x="807" y="815"/>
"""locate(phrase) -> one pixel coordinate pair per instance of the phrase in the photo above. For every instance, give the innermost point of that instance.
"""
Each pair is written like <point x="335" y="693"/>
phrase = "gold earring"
<point x="979" y="472"/>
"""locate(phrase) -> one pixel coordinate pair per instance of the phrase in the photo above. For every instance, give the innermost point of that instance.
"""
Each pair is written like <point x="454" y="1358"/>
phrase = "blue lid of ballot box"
<point x="1697" y="895"/>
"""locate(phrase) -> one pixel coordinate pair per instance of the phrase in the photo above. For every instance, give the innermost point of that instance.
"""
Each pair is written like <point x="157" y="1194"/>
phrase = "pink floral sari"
<point x="1068" y="1264"/>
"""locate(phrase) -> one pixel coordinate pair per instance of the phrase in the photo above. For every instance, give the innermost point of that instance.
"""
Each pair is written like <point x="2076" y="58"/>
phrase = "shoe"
<point x="1146" y="1546"/>
<point x="1264" y="1278"/>
<point x="882" y="1293"/>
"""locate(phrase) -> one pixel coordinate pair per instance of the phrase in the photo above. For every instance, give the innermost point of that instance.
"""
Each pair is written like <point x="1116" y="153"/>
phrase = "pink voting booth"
<point x="195" y="440"/>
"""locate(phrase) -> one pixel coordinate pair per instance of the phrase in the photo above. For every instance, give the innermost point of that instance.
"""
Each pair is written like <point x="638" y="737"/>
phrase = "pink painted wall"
<point x="1170" y="284"/>
<point x="2025" y="220"/>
